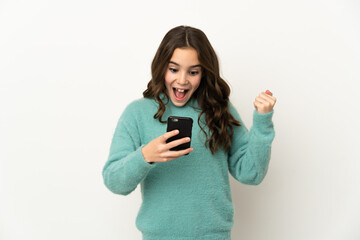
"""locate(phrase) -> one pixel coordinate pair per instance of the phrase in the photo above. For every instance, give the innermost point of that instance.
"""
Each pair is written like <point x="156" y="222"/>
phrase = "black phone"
<point x="184" y="125"/>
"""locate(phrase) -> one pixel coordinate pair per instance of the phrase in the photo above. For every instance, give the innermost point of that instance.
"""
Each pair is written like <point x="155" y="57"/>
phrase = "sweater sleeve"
<point x="250" y="151"/>
<point x="126" y="166"/>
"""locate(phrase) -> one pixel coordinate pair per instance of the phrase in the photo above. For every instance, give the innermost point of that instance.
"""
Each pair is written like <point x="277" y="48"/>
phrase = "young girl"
<point x="186" y="193"/>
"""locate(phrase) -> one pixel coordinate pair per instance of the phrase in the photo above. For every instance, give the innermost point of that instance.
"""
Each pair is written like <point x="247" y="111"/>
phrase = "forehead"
<point x="185" y="57"/>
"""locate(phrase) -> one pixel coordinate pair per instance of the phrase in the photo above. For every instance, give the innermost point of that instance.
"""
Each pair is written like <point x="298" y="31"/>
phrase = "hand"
<point x="265" y="102"/>
<point x="159" y="151"/>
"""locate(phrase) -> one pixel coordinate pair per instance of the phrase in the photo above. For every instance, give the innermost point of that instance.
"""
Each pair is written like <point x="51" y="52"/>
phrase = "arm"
<point x="130" y="160"/>
<point x="250" y="152"/>
<point x="126" y="166"/>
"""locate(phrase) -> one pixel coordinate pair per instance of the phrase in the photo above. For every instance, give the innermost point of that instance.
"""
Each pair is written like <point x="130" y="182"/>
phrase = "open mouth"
<point x="180" y="94"/>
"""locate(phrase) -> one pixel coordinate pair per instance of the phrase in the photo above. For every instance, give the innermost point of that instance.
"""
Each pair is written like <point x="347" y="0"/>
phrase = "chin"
<point x="178" y="104"/>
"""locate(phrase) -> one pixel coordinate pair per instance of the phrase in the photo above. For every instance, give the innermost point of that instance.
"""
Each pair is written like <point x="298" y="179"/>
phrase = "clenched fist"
<point x="265" y="102"/>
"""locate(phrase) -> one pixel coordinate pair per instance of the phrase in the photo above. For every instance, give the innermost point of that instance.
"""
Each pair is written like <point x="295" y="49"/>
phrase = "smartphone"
<point x="184" y="125"/>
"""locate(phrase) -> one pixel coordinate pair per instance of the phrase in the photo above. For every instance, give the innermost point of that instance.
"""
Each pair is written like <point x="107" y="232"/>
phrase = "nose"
<point x="182" y="79"/>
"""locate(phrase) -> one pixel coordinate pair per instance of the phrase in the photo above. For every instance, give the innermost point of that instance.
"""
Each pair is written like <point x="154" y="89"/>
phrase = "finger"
<point x="264" y="104"/>
<point x="271" y="97"/>
<point x="267" y="98"/>
<point x="268" y="92"/>
<point x="258" y="105"/>
<point x="170" y="134"/>
<point x="176" y="154"/>
<point x="260" y="100"/>
<point x="177" y="142"/>
<point x="166" y="159"/>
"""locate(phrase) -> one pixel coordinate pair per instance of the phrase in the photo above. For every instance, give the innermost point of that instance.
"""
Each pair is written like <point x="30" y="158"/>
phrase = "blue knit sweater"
<point x="188" y="198"/>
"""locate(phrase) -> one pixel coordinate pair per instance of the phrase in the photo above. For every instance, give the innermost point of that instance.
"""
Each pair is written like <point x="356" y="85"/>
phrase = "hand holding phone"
<point x="161" y="148"/>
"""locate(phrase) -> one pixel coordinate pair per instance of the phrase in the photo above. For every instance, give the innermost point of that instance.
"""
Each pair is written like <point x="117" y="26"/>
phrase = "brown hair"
<point x="212" y="94"/>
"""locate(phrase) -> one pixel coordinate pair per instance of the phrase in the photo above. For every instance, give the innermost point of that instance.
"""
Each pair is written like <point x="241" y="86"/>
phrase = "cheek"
<point x="167" y="79"/>
<point x="196" y="83"/>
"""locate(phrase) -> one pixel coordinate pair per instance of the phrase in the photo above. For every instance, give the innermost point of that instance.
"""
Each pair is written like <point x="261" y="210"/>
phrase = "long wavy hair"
<point x="212" y="94"/>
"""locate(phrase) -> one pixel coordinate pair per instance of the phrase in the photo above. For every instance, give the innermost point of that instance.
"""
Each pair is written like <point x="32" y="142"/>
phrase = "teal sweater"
<point x="187" y="198"/>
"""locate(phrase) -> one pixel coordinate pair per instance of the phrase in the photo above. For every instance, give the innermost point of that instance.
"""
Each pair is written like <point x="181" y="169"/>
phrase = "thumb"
<point x="268" y="92"/>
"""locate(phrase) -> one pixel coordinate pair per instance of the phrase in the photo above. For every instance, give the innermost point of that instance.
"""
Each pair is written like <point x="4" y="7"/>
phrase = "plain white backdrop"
<point x="69" y="68"/>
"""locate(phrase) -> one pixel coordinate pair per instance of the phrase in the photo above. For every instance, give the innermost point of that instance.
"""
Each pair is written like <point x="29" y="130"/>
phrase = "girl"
<point x="186" y="194"/>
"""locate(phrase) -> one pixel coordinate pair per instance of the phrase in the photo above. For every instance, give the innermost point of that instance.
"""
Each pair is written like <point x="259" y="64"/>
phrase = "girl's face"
<point x="183" y="75"/>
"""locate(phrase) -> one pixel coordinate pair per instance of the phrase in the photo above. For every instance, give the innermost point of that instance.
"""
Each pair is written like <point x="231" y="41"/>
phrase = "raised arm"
<point x="250" y="151"/>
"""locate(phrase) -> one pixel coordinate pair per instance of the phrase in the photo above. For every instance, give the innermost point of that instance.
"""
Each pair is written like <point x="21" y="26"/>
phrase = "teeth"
<point x="180" y="90"/>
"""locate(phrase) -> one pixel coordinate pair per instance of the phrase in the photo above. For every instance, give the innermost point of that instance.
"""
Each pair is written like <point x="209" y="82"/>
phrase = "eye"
<point x="193" y="73"/>
<point x="173" y="70"/>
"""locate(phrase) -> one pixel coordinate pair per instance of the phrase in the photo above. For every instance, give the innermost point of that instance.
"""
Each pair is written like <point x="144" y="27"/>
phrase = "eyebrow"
<point x="193" y="66"/>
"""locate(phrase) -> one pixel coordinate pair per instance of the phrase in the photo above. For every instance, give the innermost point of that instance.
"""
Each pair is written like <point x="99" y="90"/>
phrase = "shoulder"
<point x="141" y="104"/>
<point x="234" y="112"/>
<point x="140" y="107"/>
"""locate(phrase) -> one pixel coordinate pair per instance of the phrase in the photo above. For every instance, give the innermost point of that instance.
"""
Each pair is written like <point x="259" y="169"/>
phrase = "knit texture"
<point x="187" y="198"/>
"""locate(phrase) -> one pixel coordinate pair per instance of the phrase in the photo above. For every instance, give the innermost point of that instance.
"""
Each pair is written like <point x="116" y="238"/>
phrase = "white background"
<point x="68" y="68"/>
